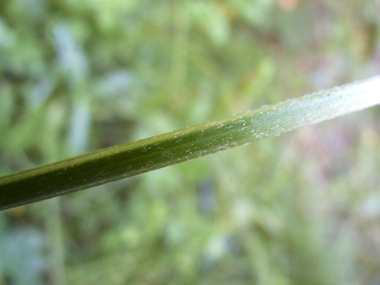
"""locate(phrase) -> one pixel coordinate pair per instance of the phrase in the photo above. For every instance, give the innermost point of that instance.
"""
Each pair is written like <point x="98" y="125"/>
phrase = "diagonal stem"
<point x="167" y="149"/>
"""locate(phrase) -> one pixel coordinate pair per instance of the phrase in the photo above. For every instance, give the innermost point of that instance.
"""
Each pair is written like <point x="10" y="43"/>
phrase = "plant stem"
<point x="167" y="149"/>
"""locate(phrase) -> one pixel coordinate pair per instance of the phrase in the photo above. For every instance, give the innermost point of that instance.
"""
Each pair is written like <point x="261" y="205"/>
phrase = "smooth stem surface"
<point x="156" y="152"/>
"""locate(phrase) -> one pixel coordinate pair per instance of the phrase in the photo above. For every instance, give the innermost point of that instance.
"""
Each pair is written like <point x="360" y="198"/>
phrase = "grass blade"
<point x="167" y="149"/>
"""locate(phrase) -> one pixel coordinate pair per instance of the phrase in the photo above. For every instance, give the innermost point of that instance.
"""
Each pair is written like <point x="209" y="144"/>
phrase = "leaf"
<point x="212" y="20"/>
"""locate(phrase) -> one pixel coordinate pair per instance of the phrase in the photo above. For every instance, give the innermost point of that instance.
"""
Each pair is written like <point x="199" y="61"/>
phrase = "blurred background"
<point x="78" y="76"/>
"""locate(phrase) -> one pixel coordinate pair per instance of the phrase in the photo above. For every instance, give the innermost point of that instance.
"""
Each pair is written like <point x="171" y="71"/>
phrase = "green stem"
<point x="167" y="149"/>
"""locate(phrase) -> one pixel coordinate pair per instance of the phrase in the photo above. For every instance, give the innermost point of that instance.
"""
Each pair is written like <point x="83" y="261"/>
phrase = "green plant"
<point x="177" y="146"/>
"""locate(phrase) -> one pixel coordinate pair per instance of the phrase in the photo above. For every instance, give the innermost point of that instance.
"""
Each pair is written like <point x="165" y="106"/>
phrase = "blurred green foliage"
<point x="77" y="76"/>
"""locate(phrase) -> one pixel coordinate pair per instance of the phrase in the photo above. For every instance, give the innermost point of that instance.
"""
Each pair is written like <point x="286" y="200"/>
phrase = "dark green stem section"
<point x="153" y="153"/>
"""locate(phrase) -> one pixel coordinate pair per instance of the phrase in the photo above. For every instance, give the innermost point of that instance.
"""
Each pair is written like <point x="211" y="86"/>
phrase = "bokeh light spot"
<point x="287" y="5"/>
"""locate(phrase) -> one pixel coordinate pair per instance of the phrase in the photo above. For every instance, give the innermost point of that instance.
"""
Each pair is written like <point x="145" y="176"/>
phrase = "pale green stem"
<point x="156" y="152"/>
<point x="56" y="248"/>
